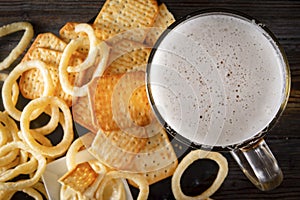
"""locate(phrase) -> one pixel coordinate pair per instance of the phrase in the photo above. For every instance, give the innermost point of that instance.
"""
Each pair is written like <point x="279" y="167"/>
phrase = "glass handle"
<point x="259" y="165"/>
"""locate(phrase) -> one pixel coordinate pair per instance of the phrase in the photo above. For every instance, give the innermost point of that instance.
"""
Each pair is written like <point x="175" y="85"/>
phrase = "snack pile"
<point x="94" y="75"/>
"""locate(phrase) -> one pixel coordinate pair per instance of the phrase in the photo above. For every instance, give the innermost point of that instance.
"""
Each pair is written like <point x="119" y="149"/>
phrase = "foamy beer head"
<point x="217" y="79"/>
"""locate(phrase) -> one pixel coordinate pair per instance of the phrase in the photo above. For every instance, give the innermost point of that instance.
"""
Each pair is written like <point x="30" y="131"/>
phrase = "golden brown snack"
<point x="119" y="16"/>
<point x="80" y="177"/>
<point x="21" y="46"/>
<point x="188" y="160"/>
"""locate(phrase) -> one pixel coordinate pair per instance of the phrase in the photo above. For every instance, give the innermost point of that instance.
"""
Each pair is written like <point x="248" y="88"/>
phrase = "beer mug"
<point x="218" y="79"/>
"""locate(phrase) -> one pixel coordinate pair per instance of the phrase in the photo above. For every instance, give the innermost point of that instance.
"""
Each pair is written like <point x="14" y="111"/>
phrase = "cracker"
<point x="114" y="105"/>
<point x="101" y="98"/>
<point x="31" y="84"/>
<point x="80" y="178"/>
<point x="164" y="19"/>
<point x="157" y="160"/>
<point x="127" y="56"/>
<point x="119" y="16"/>
<point x="116" y="149"/>
<point x="49" y="41"/>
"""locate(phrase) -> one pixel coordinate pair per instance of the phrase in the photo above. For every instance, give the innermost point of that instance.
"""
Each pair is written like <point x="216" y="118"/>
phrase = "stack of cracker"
<point x="116" y="108"/>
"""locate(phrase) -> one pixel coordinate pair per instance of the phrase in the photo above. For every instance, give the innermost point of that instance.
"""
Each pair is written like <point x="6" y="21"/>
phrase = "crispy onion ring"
<point x="10" y="126"/>
<point x="21" y="184"/>
<point x="8" y="101"/>
<point x="34" y="191"/>
<point x="65" y="121"/>
<point x="137" y="179"/>
<point x="24" y="168"/>
<point x="23" y="43"/>
<point x="71" y="153"/>
<point x="90" y="60"/>
<point x="53" y="112"/>
<point x="188" y="160"/>
<point x="96" y="49"/>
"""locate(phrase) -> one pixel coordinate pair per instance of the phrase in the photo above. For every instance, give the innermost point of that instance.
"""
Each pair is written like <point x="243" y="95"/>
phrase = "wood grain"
<point x="281" y="17"/>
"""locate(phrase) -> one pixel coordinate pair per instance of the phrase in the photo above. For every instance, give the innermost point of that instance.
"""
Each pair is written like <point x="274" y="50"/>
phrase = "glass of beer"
<point x="219" y="80"/>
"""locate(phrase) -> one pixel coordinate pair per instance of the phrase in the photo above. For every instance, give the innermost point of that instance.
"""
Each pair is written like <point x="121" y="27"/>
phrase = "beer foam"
<point x="217" y="79"/>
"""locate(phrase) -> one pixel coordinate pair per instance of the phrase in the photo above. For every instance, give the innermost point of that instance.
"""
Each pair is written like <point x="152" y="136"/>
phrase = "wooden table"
<point x="281" y="17"/>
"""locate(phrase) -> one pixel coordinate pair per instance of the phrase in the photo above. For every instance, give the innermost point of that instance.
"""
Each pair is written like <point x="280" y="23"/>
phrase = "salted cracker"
<point x="80" y="178"/>
<point x="119" y="16"/>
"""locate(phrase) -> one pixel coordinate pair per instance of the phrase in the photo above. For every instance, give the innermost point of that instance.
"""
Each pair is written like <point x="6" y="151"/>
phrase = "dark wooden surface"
<point x="281" y="17"/>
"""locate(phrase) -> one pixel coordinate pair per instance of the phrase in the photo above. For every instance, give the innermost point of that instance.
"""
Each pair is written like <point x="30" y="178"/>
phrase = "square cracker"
<point x="119" y="16"/>
<point x="80" y="178"/>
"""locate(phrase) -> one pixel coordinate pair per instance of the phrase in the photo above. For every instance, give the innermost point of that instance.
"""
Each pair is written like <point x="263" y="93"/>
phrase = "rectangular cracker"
<point x="31" y="82"/>
<point x="119" y="16"/>
<point x="126" y="56"/>
<point x="164" y="19"/>
<point x="80" y="178"/>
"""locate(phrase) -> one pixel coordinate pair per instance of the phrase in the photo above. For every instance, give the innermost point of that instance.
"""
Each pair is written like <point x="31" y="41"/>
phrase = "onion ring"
<point x="138" y="179"/>
<point x="90" y="60"/>
<point x="9" y="157"/>
<point x="41" y="166"/>
<point x="12" y="78"/>
<point x="10" y="126"/>
<point x="188" y="160"/>
<point x="71" y="153"/>
<point x="65" y="121"/>
<point x="53" y="111"/>
<point x="24" y="168"/>
<point x="33" y="193"/>
<point x="95" y="49"/>
<point x="23" y="43"/>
